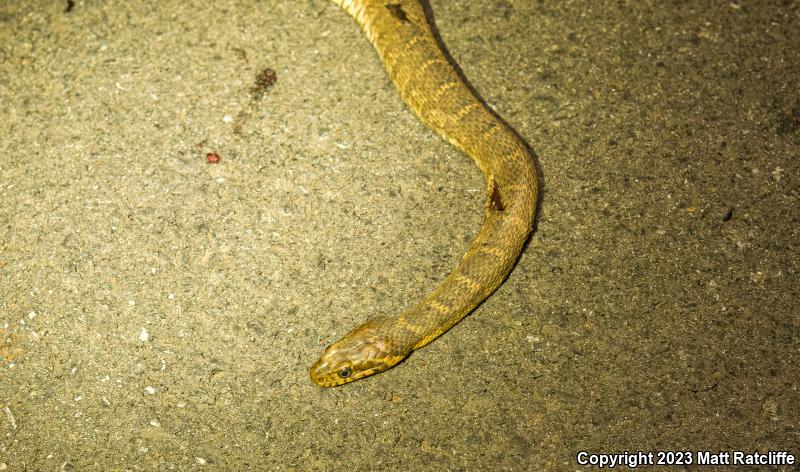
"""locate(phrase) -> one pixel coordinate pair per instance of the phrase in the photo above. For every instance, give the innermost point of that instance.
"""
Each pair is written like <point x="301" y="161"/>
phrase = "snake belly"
<point x="432" y="86"/>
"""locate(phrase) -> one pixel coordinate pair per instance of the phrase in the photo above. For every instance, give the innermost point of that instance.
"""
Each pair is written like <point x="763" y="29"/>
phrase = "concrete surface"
<point x="160" y="313"/>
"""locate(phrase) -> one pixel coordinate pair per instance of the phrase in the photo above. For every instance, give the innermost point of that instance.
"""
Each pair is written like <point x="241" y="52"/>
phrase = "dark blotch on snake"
<point x="397" y="11"/>
<point x="495" y="201"/>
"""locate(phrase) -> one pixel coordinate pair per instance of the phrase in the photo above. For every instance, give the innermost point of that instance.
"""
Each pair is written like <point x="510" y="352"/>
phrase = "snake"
<point x="434" y="88"/>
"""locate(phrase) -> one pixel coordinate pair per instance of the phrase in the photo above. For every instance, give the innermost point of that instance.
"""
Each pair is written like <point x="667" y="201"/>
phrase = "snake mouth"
<point x="333" y="380"/>
<point x="323" y="375"/>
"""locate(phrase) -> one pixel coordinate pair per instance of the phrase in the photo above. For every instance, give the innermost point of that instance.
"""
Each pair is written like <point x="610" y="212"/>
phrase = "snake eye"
<point x="345" y="372"/>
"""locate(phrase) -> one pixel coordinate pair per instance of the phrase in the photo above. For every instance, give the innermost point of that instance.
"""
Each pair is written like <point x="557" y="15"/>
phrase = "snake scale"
<point x="432" y="86"/>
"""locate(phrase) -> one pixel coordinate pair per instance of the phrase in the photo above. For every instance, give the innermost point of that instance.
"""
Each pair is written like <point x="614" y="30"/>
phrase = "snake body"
<point x="431" y="85"/>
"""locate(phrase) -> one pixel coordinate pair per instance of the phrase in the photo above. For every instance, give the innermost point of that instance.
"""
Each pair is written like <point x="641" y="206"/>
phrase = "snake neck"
<point x="487" y="262"/>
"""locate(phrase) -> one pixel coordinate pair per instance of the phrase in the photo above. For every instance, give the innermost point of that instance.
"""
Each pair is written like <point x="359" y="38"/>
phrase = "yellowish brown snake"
<point x="431" y="85"/>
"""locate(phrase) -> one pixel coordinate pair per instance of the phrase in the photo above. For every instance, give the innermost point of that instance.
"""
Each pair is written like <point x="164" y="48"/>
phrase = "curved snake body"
<point x="432" y="87"/>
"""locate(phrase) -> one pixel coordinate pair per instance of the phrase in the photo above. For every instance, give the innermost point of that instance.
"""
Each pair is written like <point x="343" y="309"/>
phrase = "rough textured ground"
<point x="160" y="313"/>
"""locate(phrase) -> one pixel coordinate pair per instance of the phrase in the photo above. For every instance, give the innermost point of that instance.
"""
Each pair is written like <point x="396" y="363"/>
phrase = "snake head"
<point x="363" y="351"/>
